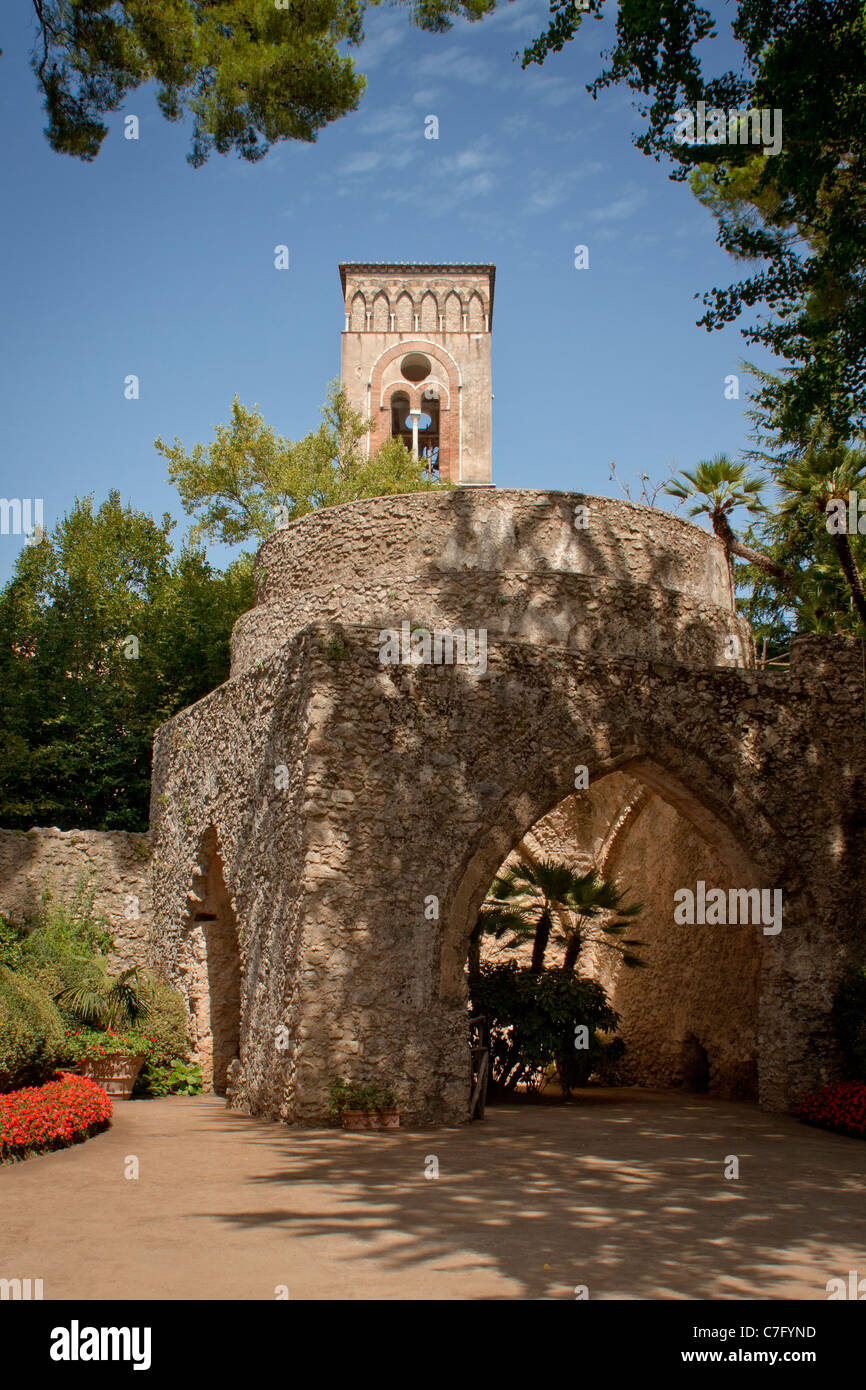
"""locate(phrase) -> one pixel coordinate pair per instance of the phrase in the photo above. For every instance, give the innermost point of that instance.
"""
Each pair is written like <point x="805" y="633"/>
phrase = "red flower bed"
<point x="840" y="1105"/>
<point x="52" y="1116"/>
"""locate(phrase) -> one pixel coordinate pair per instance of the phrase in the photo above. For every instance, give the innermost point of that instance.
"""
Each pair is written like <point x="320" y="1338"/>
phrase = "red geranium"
<point x="51" y="1116"/>
<point x="841" y="1105"/>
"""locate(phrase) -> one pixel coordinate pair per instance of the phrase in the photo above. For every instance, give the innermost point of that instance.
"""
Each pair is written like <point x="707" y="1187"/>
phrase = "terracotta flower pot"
<point x="376" y="1119"/>
<point x="115" y="1072"/>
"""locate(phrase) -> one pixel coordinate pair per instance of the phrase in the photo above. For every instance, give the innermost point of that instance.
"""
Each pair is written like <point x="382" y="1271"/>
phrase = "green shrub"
<point x="180" y="1079"/>
<point x="65" y="951"/>
<point x="849" y="1019"/>
<point x="32" y="1036"/>
<point x="166" y="1024"/>
<point x="354" y="1095"/>
<point x="11" y="938"/>
<point x="98" y="1042"/>
<point x="69" y="925"/>
<point x="532" y="1018"/>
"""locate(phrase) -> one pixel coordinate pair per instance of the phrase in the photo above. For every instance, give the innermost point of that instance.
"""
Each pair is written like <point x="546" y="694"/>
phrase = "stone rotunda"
<point x="308" y="813"/>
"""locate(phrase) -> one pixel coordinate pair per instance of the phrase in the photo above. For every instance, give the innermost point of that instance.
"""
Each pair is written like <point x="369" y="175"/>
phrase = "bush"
<point x="98" y="1042"/>
<point x="183" y="1080"/>
<point x="32" y="1036"/>
<point x="532" y="1018"/>
<point x="353" y="1095"/>
<point x="66" y="952"/>
<point x="849" y="1020"/>
<point x="840" y="1106"/>
<point x="11" y="938"/>
<point x="69" y="925"/>
<point x="51" y="1117"/>
<point x="166" y="1025"/>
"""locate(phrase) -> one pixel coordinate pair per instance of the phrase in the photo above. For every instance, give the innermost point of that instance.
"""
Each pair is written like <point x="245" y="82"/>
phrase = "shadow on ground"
<point x="622" y="1191"/>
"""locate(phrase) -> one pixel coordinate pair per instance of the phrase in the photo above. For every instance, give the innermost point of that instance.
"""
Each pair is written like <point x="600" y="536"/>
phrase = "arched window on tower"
<point x="426" y="421"/>
<point x="428" y="431"/>
<point x="401" y="425"/>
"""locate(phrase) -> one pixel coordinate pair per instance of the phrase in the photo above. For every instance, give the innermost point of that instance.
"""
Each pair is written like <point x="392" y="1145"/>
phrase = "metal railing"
<point x="479" y="1065"/>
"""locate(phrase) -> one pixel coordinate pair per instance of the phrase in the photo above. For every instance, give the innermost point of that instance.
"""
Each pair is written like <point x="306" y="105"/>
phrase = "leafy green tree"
<point x="531" y="1018"/>
<point x="250" y="479"/>
<point x="596" y="906"/>
<point x="104" y="634"/>
<point x="249" y="72"/>
<point x="798" y="216"/>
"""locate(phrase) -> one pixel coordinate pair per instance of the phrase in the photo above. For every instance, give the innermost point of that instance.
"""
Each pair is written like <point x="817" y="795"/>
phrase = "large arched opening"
<point x="689" y="1016"/>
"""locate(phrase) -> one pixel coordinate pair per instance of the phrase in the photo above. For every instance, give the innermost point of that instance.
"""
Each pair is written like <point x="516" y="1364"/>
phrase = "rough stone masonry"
<point x="305" y="812"/>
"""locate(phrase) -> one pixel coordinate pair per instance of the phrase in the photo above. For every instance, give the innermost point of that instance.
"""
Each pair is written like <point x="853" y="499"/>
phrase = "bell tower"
<point x="416" y="358"/>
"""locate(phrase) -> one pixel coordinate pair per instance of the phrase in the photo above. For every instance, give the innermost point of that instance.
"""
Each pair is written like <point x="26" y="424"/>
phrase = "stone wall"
<point x="115" y="862"/>
<point x="229" y="780"/>
<point x="403" y="784"/>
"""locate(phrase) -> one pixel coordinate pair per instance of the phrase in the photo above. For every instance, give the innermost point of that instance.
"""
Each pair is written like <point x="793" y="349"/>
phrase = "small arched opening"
<point x="213" y="969"/>
<point x="695" y="1061"/>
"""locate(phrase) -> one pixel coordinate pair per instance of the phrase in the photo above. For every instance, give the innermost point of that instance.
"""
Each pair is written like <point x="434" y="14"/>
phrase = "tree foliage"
<point x="798" y="215"/>
<point x="250" y="479"/>
<point x="804" y="563"/>
<point x="249" y="73"/>
<point x="532" y="1019"/>
<point x="104" y="634"/>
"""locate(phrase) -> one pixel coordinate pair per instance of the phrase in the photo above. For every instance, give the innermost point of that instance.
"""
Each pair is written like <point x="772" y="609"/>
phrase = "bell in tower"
<point x="416" y="359"/>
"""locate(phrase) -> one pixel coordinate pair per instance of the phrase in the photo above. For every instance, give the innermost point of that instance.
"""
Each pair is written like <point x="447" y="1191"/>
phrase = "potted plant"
<point x="363" y="1107"/>
<point x="111" y="1059"/>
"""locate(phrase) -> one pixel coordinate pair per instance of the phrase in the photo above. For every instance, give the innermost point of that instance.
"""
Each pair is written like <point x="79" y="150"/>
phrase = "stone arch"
<point x="528" y="804"/>
<point x="699" y="981"/>
<point x="358" y="313"/>
<point x="476" y="314"/>
<point x="405" y="313"/>
<point x="212" y="968"/>
<point x="381" y="321"/>
<point x="453" y="313"/>
<point x="429" y="318"/>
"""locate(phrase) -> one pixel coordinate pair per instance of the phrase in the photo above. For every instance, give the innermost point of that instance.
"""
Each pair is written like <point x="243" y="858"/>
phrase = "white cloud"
<point x="391" y="120"/>
<point x="454" y="65"/>
<point x="364" y="162"/>
<point x="378" y="45"/>
<point x="550" y="187"/>
<point x="619" y="209"/>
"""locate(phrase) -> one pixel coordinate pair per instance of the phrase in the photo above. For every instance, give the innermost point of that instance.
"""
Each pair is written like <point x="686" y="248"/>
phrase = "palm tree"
<point x="823" y="474"/>
<point x="717" y="487"/>
<point x="523" y="901"/>
<point x="499" y="916"/>
<point x="597" y="900"/>
<point x="101" y="1000"/>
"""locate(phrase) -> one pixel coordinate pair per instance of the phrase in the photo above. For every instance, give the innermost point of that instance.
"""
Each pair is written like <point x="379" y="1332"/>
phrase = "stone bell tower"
<point x="416" y="358"/>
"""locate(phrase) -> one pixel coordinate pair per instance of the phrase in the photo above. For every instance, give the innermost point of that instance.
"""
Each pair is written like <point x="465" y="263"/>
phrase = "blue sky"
<point x="137" y="263"/>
